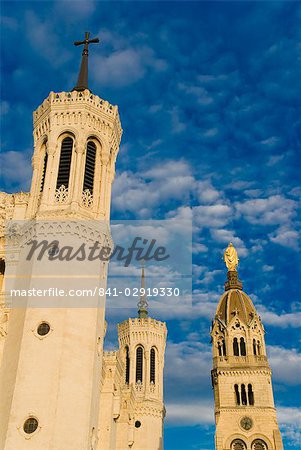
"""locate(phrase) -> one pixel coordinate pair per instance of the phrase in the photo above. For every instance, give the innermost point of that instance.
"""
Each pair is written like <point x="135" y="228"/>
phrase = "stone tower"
<point x="132" y="407"/>
<point x="52" y="356"/>
<point x="245" y="414"/>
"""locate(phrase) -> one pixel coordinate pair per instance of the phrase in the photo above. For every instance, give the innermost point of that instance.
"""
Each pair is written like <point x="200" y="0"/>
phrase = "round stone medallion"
<point x="246" y="423"/>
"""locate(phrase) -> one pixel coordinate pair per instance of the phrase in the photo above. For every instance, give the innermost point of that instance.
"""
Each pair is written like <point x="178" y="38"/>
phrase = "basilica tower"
<point x="132" y="406"/>
<point x="53" y="346"/>
<point x="245" y="414"/>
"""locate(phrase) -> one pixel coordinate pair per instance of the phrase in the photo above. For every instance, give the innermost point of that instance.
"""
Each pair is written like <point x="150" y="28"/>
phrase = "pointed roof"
<point x="142" y="304"/>
<point x="82" y="81"/>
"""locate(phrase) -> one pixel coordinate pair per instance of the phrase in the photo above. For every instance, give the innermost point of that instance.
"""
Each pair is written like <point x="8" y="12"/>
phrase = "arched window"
<point x="235" y="347"/>
<point x="250" y="395"/>
<point x="224" y="348"/>
<point x="238" y="444"/>
<point x="258" y="347"/>
<point x="139" y="365"/>
<point x="2" y="266"/>
<point x="2" y="272"/>
<point x="243" y="395"/>
<point x="259" y="444"/>
<point x="152" y="365"/>
<point x="65" y="163"/>
<point x="237" y="396"/>
<point x="242" y="347"/>
<point x="89" y="166"/>
<point x="219" y="349"/>
<point x="127" y="365"/>
<point x="254" y="347"/>
<point x="44" y="172"/>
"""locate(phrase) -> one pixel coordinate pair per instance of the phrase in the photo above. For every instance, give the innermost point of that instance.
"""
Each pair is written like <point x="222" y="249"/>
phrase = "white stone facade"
<point x="63" y="380"/>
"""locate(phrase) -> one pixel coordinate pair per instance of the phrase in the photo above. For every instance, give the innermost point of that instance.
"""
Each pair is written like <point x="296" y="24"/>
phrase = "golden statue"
<point x="230" y="257"/>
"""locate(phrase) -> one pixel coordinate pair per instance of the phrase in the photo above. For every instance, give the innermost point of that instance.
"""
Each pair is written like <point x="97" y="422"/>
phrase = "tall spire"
<point x="82" y="81"/>
<point x="231" y="261"/>
<point x="142" y="304"/>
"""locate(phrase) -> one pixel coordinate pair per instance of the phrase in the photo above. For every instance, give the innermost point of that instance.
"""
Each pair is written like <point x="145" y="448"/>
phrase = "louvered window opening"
<point x="127" y="366"/>
<point x="250" y="395"/>
<point x="90" y="166"/>
<point x="152" y="366"/>
<point x="243" y="395"/>
<point x="2" y="266"/>
<point x="139" y="365"/>
<point x="44" y="172"/>
<point x="65" y="163"/>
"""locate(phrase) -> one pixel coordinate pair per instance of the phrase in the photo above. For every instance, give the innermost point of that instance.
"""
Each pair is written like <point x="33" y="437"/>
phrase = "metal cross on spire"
<point x="142" y="305"/>
<point x="82" y="81"/>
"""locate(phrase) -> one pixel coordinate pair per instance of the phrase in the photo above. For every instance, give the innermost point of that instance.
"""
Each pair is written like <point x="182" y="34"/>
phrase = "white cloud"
<point x="206" y="192"/>
<point x="289" y="416"/>
<point x="125" y="66"/>
<point x="44" y="40"/>
<point x="272" y="141"/>
<point x="199" y="248"/>
<point x="188" y="360"/>
<point x="226" y="236"/>
<point x="211" y="132"/>
<point x="267" y="268"/>
<point x="240" y="185"/>
<point x="275" y="159"/>
<point x="207" y="277"/>
<point x="120" y="68"/>
<point x="75" y="9"/>
<point x="177" y="124"/>
<point x="212" y="216"/>
<point x="288" y="373"/>
<point x="141" y="193"/>
<point x="289" y="419"/>
<point x="196" y="413"/>
<point x="17" y="167"/>
<point x="200" y="93"/>
<point x="274" y="210"/>
<point x="167" y="169"/>
<point x="285" y="320"/>
<point x="131" y="193"/>
<point x="286" y="238"/>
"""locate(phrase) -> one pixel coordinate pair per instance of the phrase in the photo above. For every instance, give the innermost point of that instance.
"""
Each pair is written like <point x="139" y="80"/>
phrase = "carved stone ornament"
<point x="61" y="194"/>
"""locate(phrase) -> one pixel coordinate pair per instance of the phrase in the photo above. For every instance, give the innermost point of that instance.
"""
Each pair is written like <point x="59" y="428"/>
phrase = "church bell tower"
<point x="132" y="407"/>
<point x="76" y="141"/>
<point x="245" y="414"/>
<point x="53" y="351"/>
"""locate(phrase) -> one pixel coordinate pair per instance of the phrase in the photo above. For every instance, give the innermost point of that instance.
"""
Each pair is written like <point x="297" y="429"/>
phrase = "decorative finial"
<point x="82" y="81"/>
<point x="231" y="261"/>
<point x="142" y="304"/>
<point x="231" y="257"/>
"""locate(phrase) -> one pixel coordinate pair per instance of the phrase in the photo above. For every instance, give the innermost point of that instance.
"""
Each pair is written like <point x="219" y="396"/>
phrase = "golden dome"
<point x="235" y="302"/>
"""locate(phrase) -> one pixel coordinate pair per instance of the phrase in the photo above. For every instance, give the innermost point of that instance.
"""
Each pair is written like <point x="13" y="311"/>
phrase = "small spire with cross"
<point x="82" y="81"/>
<point x="142" y="305"/>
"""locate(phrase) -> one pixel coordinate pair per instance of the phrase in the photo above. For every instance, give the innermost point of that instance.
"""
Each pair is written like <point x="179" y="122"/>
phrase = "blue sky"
<point x="209" y="98"/>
